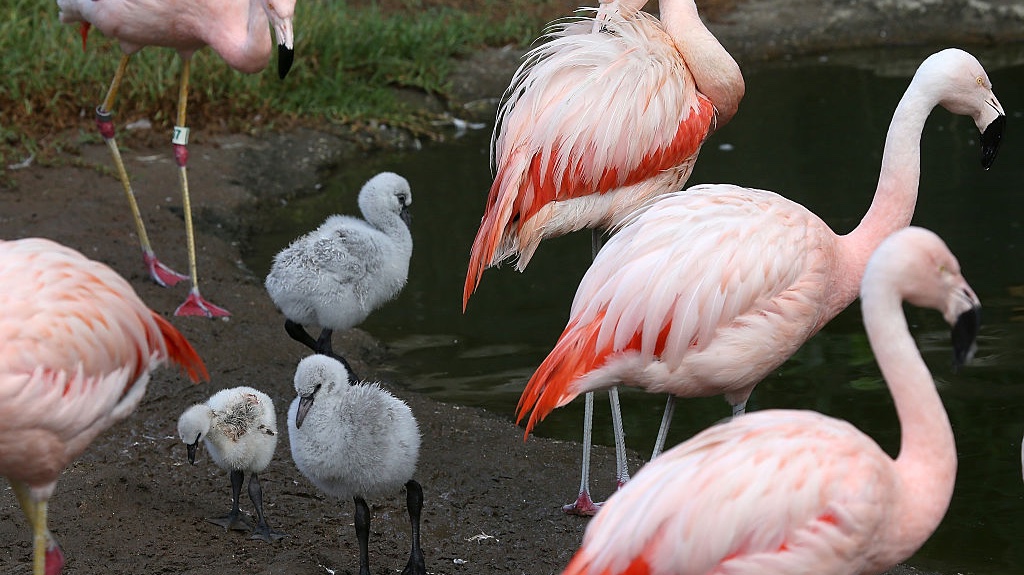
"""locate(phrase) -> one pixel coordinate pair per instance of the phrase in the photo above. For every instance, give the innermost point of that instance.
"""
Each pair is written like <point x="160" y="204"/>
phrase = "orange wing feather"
<point x="537" y="188"/>
<point x="181" y="352"/>
<point x="574" y="355"/>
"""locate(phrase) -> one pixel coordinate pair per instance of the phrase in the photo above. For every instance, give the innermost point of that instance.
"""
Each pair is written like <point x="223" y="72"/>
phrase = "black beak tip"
<point x="964" y="336"/>
<point x="990" y="140"/>
<point x="285" y="57"/>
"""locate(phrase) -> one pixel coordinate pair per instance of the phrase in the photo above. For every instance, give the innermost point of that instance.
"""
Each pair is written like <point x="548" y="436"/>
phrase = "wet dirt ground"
<point x="132" y="504"/>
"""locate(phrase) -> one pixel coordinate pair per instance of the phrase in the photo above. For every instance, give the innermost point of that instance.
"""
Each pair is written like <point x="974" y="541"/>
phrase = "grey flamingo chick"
<point x="239" y="428"/>
<point x="337" y="274"/>
<point x="356" y="440"/>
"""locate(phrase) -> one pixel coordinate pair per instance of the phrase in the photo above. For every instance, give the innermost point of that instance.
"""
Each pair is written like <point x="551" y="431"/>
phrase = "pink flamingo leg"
<point x="194" y="304"/>
<point x="161" y="274"/>
<point x="584" y="505"/>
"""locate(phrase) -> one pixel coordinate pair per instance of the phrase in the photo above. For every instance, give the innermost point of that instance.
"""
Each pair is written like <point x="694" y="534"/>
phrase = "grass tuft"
<point x="350" y="59"/>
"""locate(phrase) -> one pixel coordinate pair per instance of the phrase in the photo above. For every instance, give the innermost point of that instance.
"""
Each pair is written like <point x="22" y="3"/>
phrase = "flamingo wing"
<point x="349" y="255"/>
<point x="586" y="114"/>
<point x="76" y="340"/>
<point x="776" y="491"/>
<point x="710" y="271"/>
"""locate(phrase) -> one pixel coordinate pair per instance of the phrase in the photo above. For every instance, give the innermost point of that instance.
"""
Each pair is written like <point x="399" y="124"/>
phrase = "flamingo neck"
<point x="895" y="198"/>
<point x="247" y="51"/>
<point x="715" y="72"/>
<point x="926" y="464"/>
<point x="896" y="194"/>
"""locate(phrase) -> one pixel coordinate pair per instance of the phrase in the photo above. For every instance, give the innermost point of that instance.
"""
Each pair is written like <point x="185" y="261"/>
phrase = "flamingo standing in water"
<point x="237" y="30"/>
<point x="78" y="346"/>
<point x="609" y="113"/>
<point x="708" y="290"/>
<point x="787" y="491"/>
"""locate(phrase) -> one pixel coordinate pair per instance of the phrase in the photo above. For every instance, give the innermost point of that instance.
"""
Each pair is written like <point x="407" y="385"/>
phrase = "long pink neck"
<point x="246" y="50"/>
<point x="714" y="70"/>
<point x="926" y="464"/>
<point x="895" y="196"/>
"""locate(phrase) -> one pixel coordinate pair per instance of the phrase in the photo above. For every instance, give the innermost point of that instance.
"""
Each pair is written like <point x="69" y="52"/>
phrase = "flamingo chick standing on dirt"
<point x="354" y="439"/>
<point x="787" y="491"/>
<point x="237" y="30"/>
<point x="78" y="349"/>
<point x="609" y="113"/>
<point x="337" y="274"/>
<point x="708" y="290"/>
<point x="239" y="428"/>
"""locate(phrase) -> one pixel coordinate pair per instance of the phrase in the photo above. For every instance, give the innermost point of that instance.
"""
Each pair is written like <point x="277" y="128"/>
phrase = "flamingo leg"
<point x="324" y="345"/>
<point x="299" y="334"/>
<point x="160" y="273"/>
<point x="47" y="557"/>
<point x="739" y="408"/>
<point x="263" y="530"/>
<point x="234" y="519"/>
<point x="362" y="523"/>
<point x="666" y="422"/>
<point x="621" y="465"/>
<point x="414" y="505"/>
<point x="194" y="303"/>
<point x="584" y="504"/>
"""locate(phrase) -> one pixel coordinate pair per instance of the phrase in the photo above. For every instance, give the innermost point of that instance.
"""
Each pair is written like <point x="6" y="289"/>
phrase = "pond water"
<point x="812" y="131"/>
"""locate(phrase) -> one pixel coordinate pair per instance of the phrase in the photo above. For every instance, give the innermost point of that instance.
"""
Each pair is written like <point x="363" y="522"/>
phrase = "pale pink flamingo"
<point x="609" y="113"/>
<point x="78" y="348"/>
<point x="788" y="491"/>
<point x="708" y="290"/>
<point x="237" y="30"/>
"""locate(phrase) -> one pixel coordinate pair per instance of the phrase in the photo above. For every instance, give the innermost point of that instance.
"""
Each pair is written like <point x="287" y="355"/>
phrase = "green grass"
<point x="349" y="59"/>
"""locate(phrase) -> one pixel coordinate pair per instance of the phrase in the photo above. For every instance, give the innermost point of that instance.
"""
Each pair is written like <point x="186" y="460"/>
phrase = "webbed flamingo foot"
<point x="54" y="559"/>
<point x="584" y="506"/>
<point x="233" y="521"/>
<point x="161" y="274"/>
<point x="196" y="305"/>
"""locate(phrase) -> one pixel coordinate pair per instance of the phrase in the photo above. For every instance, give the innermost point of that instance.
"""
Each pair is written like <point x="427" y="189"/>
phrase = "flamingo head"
<point x="964" y="88"/>
<point x="281" y="13"/>
<point x="193" y="426"/>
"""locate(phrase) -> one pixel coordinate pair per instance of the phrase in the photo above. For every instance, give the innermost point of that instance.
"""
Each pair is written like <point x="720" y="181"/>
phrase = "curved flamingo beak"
<point x="990" y="140"/>
<point x="285" y="57"/>
<point x="285" y="40"/>
<point x="964" y="334"/>
<point x="191" y="448"/>
<point x="305" y="402"/>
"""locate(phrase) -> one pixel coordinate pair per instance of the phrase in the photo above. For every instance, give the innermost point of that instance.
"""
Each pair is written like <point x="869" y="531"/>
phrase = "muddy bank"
<point x="132" y="504"/>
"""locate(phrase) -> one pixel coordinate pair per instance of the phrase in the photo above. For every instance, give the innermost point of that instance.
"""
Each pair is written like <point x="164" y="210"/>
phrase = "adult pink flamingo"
<point x="789" y="491"/>
<point x="237" y="30"/>
<point x="78" y="349"/>
<point x="708" y="290"/>
<point x="609" y="113"/>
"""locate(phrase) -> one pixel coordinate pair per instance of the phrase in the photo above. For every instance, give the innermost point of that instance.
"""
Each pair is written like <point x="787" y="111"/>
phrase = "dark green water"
<point x="812" y="131"/>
